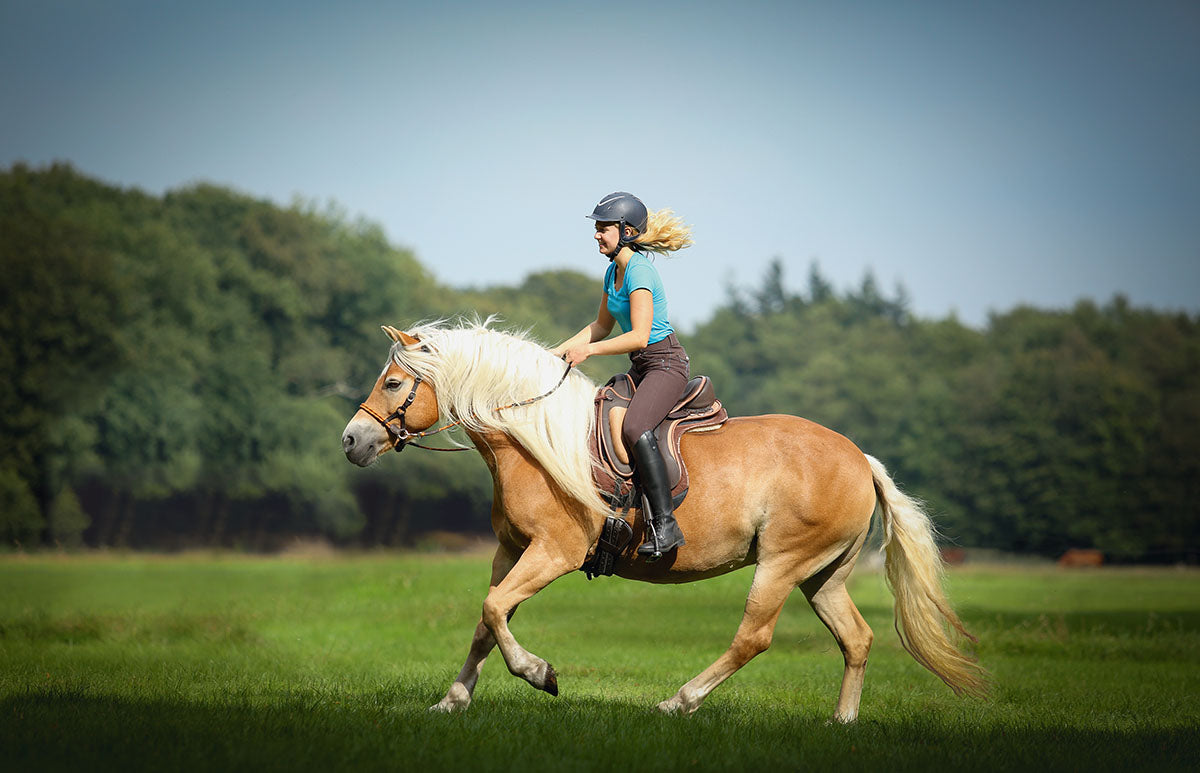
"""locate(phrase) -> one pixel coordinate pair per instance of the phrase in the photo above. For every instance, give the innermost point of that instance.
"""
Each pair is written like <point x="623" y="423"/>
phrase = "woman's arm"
<point x="641" y="317"/>
<point x="597" y="330"/>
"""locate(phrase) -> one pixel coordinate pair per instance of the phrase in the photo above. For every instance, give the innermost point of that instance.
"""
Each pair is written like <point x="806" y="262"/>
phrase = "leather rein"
<point x="402" y="437"/>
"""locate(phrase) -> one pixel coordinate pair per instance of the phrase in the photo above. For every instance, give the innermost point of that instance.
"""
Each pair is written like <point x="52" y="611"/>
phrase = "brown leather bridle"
<point x="401" y="436"/>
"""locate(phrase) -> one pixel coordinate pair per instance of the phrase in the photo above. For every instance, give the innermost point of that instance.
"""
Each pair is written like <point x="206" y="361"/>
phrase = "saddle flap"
<point x="607" y="433"/>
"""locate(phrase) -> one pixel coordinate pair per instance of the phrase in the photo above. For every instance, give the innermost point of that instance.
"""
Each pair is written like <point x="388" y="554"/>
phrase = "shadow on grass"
<point x="1135" y="622"/>
<point x="391" y="729"/>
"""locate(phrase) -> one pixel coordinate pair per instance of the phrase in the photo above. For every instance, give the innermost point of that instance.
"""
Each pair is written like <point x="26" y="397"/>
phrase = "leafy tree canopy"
<point x="178" y="369"/>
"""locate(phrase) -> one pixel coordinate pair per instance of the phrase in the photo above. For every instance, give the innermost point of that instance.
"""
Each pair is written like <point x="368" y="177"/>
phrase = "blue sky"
<point x="984" y="154"/>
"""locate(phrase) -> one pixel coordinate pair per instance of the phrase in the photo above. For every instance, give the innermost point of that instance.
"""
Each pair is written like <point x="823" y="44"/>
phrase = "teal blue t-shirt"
<point x="640" y="274"/>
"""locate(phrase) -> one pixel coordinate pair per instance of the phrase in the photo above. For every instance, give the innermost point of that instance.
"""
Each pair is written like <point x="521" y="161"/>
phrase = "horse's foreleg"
<point x="768" y="593"/>
<point x="537" y="568"/>
<point x="458" y="697"/>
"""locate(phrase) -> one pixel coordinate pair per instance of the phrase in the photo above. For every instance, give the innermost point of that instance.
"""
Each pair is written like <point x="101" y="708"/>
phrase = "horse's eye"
<point x="392" y="383"/>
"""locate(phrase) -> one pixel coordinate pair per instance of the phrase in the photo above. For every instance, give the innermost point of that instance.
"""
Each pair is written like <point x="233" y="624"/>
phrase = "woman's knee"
<point x="655" y="397"/>
<point x="631" y="432"/>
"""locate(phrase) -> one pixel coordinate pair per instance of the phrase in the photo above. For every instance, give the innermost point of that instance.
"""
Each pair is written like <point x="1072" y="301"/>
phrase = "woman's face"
<point x="607" y="237"/>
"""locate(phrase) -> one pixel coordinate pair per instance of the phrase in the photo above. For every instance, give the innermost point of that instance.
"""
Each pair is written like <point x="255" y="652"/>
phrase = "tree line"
<point x="176" y="370"/>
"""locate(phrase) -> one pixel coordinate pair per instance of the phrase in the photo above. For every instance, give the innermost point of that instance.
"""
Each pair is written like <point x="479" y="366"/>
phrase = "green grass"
<point x="133" y="662"/>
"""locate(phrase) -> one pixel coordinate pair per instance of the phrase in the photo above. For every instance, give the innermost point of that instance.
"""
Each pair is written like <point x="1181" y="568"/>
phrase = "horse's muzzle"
<point x="362" y="445"/>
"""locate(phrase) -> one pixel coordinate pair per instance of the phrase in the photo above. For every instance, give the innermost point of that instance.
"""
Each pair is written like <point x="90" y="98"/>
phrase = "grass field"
<point x="228" y="662"/>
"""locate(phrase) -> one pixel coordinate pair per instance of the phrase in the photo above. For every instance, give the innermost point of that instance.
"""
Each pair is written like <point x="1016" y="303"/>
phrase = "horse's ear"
<point x="399" y="336"/>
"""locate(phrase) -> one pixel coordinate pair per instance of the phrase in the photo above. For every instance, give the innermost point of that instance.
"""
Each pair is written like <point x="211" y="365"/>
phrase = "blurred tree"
<point x="180" y="368"/>
<point x="62" y="307"/>
<point x="21" y="520"/>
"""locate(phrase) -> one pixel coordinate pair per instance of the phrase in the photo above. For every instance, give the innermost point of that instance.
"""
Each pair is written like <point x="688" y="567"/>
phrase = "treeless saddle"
<point x="698" y="410"/>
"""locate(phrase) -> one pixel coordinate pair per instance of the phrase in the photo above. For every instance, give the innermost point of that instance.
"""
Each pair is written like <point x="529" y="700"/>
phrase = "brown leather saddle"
<point x="698" y="410"/>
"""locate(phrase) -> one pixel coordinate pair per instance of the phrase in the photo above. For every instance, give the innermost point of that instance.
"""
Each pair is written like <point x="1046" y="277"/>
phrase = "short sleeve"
<point x="640" y="277"/>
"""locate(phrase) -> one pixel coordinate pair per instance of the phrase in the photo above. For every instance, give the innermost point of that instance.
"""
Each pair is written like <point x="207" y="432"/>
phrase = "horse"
<point x="785" y="494"/>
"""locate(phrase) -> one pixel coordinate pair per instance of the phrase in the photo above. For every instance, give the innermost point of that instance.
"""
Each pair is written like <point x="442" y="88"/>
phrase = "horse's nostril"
<point x="347" y="441"/>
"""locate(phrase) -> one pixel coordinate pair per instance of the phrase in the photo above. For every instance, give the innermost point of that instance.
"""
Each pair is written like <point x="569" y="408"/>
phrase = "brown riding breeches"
<point x="660" y="372"/>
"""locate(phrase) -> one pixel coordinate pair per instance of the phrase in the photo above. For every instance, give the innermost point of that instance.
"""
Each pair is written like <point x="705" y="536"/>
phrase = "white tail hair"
<point x="915" y="573"/>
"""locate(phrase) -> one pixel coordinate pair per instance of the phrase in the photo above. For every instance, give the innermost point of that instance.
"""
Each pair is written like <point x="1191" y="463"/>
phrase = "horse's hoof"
<point x="448" y="707"/>
<point x="550" y="683"/>
<point x="457" y="699"/>
<point x="670" y="706"/>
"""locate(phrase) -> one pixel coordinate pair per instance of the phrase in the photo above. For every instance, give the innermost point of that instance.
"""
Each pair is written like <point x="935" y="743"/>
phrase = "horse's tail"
<point x="915" y="574"/>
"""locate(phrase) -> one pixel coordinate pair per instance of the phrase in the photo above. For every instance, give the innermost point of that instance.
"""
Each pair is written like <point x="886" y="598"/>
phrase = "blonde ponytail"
<point x="665" y="232"/>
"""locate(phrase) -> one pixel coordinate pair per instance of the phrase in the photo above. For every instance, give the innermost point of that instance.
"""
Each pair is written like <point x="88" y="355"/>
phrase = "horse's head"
<point x="399" y="405"/>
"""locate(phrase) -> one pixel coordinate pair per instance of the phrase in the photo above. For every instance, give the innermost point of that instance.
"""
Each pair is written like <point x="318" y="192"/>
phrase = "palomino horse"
<point x="780" y="492"/>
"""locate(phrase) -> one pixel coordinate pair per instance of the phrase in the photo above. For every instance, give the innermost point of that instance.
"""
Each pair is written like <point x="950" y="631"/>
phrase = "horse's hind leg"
<point x="459" y="695"/>
<point x="770" y="589"/>
<point x="826" y="592"/>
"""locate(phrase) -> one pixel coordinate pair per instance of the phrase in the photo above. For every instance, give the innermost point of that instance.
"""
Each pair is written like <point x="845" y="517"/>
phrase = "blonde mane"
<point x="475" y="370"/>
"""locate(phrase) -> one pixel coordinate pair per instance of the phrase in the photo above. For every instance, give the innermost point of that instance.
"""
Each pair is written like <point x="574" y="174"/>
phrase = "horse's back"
<point x="779" y="446"/>
<point x="768" y="483"/>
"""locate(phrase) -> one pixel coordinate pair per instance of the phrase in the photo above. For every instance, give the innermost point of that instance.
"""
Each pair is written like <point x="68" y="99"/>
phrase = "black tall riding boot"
<point x="663" y="533"/>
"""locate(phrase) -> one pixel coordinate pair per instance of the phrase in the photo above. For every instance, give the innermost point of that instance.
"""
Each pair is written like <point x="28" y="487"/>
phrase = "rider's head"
<point x="623" y="221"/>
<point x="627" y="212"/>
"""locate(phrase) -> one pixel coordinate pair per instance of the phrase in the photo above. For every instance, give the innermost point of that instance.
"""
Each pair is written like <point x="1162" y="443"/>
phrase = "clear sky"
<point x="983" y="153"/>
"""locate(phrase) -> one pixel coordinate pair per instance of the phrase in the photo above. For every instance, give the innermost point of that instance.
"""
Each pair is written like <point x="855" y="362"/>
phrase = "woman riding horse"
<point x="634" y="297"/>
<point x="784" y="494"/>
<point x="788" y="496"/>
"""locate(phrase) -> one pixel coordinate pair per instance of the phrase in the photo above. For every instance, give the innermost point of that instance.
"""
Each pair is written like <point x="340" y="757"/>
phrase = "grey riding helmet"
<point x="623" y="209"/>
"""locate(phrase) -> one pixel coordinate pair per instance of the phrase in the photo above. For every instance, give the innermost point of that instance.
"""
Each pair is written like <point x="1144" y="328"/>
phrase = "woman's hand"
<point x="577" y="354"/>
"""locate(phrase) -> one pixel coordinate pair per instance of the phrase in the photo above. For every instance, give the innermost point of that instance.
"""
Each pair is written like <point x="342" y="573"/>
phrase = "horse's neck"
<point x="497" y="449"/>
<point x="523" y="494"/>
